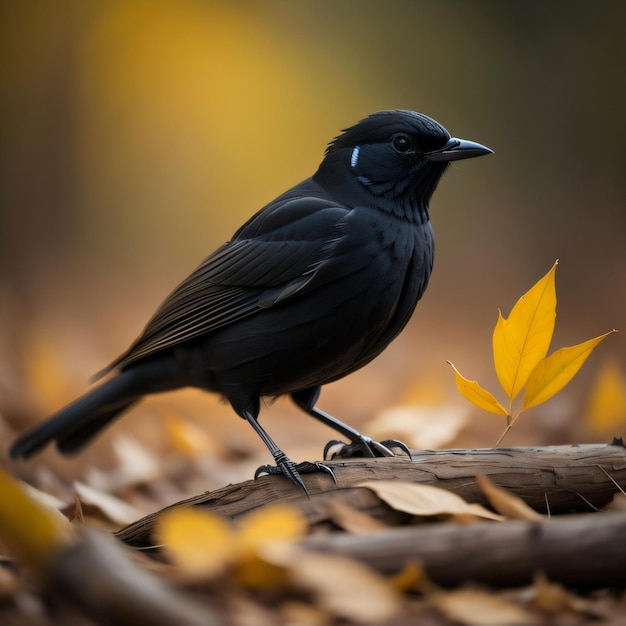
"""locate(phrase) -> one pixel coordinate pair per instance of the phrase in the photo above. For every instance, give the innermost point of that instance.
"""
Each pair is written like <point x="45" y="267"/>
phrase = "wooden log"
<point x="554" y="480"/>
<point x="583" y="551"/>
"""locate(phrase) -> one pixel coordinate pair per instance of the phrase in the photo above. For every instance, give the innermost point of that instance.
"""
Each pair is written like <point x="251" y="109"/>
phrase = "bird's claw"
<point x="396" y="443"/>
<point x="286" y="467"/>
<point x="308" y="467"/>
<point x="364" y="447"/>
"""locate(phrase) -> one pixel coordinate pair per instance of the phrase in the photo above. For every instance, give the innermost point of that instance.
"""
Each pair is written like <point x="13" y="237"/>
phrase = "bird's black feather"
<point x="312" y="287"/>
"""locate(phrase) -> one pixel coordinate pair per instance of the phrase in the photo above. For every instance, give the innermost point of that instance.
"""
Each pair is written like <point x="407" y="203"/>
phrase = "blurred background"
<point x="137" y="135"/>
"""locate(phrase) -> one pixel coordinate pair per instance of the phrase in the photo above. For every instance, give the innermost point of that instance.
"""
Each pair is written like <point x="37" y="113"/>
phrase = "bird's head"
<point x="396" y="157"/>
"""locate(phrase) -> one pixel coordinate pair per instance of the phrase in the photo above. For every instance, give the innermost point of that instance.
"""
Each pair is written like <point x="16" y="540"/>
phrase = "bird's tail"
<point x="75" y="425"/>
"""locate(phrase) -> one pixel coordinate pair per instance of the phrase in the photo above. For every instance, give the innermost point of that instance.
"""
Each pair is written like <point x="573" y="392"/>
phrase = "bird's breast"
<point x="361" y="298"/>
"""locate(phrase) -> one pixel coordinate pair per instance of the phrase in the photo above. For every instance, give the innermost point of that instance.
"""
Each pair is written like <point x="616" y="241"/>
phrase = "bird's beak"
<point x="457" y="149"/>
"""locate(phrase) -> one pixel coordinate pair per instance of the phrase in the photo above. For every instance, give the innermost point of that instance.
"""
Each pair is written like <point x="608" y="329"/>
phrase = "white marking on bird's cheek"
<point x="354" y="159"/>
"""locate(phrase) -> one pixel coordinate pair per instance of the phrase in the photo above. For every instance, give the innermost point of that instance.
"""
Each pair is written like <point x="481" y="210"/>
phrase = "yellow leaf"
<point x="419" y="499"/>
<point x="427" y="389"/>
<point x="476" y="394"/>
<point x="258" y="571"/>
<point x="201" y="544"/>
<point x="412" y="577"/>
<point x="46" y="370"/>
<point x="30" y="531"/>
<point x="551" y="374"/>
<point x="523" y="339"/>
<point x="272" y="523"/>
<point x="606" y="409"/>
<point x="188" y="438"/>
<point x="262" y="535"/>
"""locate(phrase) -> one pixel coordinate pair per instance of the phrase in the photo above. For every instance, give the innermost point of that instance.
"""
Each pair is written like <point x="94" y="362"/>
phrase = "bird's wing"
<point x="271" y="258"/>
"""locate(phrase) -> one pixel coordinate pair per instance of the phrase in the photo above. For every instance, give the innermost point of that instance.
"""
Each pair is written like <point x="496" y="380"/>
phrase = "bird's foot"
<point x="286" y="467"/>
<point x="364" y="447"/>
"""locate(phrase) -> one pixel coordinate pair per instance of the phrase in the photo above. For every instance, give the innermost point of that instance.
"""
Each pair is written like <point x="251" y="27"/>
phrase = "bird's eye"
<point x="402" y="143"/>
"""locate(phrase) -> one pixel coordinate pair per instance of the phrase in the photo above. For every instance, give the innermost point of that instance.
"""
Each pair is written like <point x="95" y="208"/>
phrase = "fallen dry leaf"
<point x="270" y="523"/>
<point x="46" y="500"/>
<point x="420" y="426"/>
<point x="473" y="607"/>
<point x="244" y="611"/>
<point x="552" y="597"/>
<point x="419" y="499"/>
<point x="136" y="466"/>
<point x="507" y="503"/>
<point x="413" y="578"/>
<point x="33" y="533"/>
<point x="112" y="508"/>
<point x="8" y="583"/>
<point x="353" y="520"/>
<point x="300" y="614"/>
<point x="262" y="537"/>
<point x="201" y="544"/>
<point x="136" y="463"/>
<point x="46" y="369"/>
<point x="204" y="544"/>
<point x="77" y="516"/>
<point x="342" y="586"/>
<point x="618" y="503"/>
<point x="189" y="439"/>
<point x="606" y="407"/>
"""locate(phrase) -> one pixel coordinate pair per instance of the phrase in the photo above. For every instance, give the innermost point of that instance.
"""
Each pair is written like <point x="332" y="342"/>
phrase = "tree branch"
<point x="555" y="480"/>
<point x="575" y="550"/>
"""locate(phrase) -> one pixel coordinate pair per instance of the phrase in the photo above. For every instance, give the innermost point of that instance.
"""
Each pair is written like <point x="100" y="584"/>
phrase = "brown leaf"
<point x="342" y="586"/>
<point x="77" y="517"/>
<point x="8" y="583"/>
<point x="419" y="499"/>
<point x="301" y="614"/>
<point x="112" y="508"/>
<point x="553" y="598"/>
<point x="353" y="520"/>
<point x="506" y="502"/>
<point x="618" y="503"/>
<point x="422" y="427"/>
<point x="473" y="607"/>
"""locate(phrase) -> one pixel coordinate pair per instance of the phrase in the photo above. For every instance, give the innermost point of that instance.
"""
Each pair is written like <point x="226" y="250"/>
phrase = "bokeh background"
<point x="137" y="135"/>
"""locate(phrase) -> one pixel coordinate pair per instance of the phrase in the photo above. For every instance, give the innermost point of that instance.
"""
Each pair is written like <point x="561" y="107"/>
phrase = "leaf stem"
<point x="510" y="422"/>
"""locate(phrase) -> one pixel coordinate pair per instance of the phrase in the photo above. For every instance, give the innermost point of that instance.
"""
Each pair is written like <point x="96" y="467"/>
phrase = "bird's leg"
<point x="284" y="465"/>
<point x="359" y="445"/>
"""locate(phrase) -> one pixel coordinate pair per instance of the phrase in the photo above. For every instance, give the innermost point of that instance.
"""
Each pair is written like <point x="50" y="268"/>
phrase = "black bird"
<point x="308" y="290"/>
